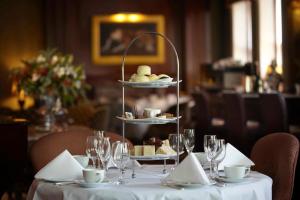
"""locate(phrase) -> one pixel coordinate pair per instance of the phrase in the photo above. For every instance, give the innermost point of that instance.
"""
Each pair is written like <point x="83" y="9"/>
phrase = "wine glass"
<point x="174" y="140"/>
<point x="220" y="155"/>
<point x="120" y="155"/>
<point x="189" y="139"/>
<point x="99" y="133"/>
<point x="105" y="152"/>
<point x="210" y="148"/>
<point x="92" y="150"/>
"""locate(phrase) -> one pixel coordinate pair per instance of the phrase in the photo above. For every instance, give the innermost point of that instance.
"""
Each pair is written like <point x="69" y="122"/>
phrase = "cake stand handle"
<point x="177" y="70"/>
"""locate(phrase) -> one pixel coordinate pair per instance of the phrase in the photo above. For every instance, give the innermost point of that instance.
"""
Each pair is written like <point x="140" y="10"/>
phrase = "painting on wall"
<point x="111" y="35"/>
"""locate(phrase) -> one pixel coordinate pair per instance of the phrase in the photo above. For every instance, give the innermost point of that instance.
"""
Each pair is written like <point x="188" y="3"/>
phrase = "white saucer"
<point x="90" y="185"/>
<point x="231" y="180"/>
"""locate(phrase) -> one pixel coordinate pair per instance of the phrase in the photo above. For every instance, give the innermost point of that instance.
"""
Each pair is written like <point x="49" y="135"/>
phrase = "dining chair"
<point x="49" y="146"/>
<point x="276" y="155"/>
<point x="273" y="113"/>
<point x="13" y="153"/>
<point x="241" y="132"/>
<point x="204" y="122"/>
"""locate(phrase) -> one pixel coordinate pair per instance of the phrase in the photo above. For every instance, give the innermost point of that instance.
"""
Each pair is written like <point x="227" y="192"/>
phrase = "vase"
<point x="44" y="109"/>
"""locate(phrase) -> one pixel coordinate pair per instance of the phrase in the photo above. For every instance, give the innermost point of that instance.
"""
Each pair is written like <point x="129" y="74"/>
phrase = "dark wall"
<point x="291" y="44"/>
<point x="21" y="36"/>
<point x="68" y="25"/>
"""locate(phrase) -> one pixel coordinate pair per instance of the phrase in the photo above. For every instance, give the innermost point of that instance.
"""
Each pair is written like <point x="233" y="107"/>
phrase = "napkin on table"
<point x="234" y="157"/>
<point x="62" y="168"/>
<point x="189" y="171"/>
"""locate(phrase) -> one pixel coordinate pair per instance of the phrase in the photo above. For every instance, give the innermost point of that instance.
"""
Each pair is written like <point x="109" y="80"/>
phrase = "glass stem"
<point x="94" y="162"/>
<point x="210" y="168"/>
<point x="121" y="176"/>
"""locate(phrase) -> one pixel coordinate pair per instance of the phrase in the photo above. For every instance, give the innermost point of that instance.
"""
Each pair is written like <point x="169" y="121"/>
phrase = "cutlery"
<point x="173" y="186"/>
<point x="65" y="183"/>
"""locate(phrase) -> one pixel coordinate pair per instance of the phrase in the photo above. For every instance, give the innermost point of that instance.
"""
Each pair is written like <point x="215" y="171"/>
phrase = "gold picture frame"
<point x="111" y="35"/>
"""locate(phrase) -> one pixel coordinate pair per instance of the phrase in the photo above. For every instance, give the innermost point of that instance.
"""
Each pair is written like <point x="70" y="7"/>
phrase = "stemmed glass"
<point x="189" y="139"/>
<point x="210" y="148"/>
<point x="105" y="152"/>
<point x="220" y="155"/>
<point x="120" y="155"/>
<point x="99" y="133"/>
<point x="174" y="140"/>
<point x="92" y="150"/>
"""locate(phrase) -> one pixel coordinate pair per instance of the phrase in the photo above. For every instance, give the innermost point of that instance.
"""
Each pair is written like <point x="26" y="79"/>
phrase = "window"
<point x="242" y="31"/>
<point x="270" y="34"/>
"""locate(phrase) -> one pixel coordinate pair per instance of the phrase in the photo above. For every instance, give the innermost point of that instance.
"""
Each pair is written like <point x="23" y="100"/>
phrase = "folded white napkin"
<point x="189" y="171"/>
<point x="62" y="168"/>
<point x="234" y="157"/>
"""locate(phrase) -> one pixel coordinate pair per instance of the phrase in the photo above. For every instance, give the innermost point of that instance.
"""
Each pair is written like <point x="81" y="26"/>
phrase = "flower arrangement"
<point x="52" y="74"/>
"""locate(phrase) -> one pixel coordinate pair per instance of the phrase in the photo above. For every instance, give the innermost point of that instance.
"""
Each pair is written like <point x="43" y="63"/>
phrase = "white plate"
<point x="150" y="84"/>
<point x="231" y="180"/>
<point x="90" y="185"/>
<point x="154" y="120"/>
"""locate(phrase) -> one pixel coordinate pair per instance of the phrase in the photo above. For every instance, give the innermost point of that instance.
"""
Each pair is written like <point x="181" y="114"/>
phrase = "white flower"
<point x="54" y="60"/>
<point x="40" y="59"/>
<point x="35" y="77"/>
<point x="59" y="71"/>
<point x="78" y="84"/>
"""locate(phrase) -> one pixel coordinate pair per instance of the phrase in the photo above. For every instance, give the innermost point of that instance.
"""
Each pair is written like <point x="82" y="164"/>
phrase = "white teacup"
<point x="236" y="171"/>
<point x="82" y="159"/>
<point x="93" y="175"/>
<point x="151" y="112"/>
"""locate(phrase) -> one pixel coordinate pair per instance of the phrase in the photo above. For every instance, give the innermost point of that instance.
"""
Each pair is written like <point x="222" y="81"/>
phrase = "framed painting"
<point x="111" y="34"/>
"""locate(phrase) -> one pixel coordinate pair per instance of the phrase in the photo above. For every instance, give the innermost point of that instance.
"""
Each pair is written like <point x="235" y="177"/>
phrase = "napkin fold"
<point x="62" y="168"/>
<point x="189" y="171"/>
<point x="234" y="157"/>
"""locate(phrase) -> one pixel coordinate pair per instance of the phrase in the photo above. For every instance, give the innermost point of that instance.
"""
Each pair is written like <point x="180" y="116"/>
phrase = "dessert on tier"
<point x="151" y="148"/>
<point x="143" y="74"/>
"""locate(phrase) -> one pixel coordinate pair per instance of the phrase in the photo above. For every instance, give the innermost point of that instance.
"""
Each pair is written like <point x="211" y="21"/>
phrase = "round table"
<point x="147" y="185"/>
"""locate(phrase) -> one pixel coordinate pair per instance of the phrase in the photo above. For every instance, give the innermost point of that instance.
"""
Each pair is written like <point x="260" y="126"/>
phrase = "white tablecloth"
<point x="147" y="185"/>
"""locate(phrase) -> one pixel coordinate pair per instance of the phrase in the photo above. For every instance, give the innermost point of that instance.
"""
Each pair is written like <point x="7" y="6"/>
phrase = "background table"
<point x="148" y="186"/>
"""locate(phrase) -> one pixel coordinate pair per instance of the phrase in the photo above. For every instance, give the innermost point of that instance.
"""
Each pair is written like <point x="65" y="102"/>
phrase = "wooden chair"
<point x="273" y="113"/>
<point x="204" y="122"/>
<point x="49" y="146"/>
<point x="276" y="156"/>
<point x="242" y="133"/>
<point x="13" y="153"/>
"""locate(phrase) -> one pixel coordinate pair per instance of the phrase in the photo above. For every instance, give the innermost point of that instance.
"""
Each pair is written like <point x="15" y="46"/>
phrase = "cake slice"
<point x="138" y="150"/>
<point x="167" y="150"/>
<point x="149" y="150"/>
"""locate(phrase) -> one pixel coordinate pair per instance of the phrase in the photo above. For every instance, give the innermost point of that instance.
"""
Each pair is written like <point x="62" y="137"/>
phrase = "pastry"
<point x="138" y="150"/>
<point x="165" y="142"/>
<point x="141" y="78"/>
<point x="167" y="150"/>
<point x="153" y="141"/>
<point x="148" y="150"/>
<point x="153" y="77"/>
<point x="144" y="70"/>
<point x="129" y="115"/>
<point x="164" y="77"/>
<point x="132" y="78"/>
<point x="165" y="115"/>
